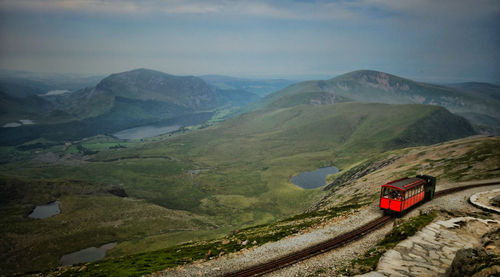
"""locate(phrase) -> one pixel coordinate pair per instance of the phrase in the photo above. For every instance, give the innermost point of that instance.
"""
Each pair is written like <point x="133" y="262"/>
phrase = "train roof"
<point x="405" y="183"/>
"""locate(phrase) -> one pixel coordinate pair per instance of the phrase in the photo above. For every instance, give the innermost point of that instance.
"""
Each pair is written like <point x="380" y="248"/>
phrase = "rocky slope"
<point x="465" y="159"/>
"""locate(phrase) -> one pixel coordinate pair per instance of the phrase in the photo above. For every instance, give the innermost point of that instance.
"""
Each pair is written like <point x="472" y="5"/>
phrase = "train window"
<point x="391" y="193"/>
<point x="385" y="192"/>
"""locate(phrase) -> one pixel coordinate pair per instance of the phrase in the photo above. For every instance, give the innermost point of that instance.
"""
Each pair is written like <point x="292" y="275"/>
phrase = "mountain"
<point x="178" y="94"/>
<point x="126" y="100"/>
<point x="261" y="87"/>
<point x="16" y="87"/>
<point x="379" y="87"/>
<point x="231" y="175"/>
<point x="13" y="109"/>
<point x="209" y="182"/>
<point x="50" y="81"/>
<point x="486" y="90"/>
<point x="255" y="154"/>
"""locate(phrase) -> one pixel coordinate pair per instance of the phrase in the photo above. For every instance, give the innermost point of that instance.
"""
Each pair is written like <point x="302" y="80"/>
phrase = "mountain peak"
<point x="380" y="87"/>
<point x="140" y="72"/>
<point x="368" y="75"/>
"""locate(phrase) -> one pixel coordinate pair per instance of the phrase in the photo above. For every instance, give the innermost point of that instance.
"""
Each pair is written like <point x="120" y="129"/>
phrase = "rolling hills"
<point x="261" y="87"/>
<point x="207" y="182"/>
<point x="121" y="101"/>
<point x="481" y="108"/>
<point x="230" y="175"/>
<point x="186" y="93"/>
<point x="17" y="108"/>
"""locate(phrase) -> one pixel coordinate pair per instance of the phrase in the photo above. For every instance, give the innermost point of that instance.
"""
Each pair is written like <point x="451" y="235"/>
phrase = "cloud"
<point x="268" y="9"/>
<point x="460" y="9"/>
<point x="272" y="36"/>
<point x="294" y="10"/>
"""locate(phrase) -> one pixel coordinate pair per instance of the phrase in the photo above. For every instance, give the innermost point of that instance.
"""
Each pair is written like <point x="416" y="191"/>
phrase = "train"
<point x="399" y="196"/>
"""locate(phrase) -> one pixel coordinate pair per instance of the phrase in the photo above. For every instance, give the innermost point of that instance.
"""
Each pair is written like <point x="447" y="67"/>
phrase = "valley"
<point x="203" y="138"/>
<point x="343" y="206"/>
<point x="225" y="168"/>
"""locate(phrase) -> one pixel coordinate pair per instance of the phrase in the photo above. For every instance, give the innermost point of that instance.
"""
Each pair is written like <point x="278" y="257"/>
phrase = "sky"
<point x="427" y="40"/>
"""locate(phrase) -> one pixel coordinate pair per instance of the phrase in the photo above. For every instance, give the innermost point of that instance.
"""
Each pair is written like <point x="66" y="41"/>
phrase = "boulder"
<point x="495" y="201"/>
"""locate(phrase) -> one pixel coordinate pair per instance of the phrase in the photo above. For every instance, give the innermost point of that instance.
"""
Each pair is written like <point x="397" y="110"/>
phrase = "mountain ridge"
<point x="125" y="100"/>
<point x="379" y="87"/>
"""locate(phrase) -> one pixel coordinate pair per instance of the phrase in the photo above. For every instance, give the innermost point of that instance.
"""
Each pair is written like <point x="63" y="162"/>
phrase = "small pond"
<point x="47" y="210"/>
<point x="90" y="254"/>
<point x="314" y="179"/>
<point x="145" y="131"/>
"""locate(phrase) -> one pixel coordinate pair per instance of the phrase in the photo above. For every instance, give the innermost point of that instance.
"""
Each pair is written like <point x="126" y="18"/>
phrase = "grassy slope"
<point x="467" y="159"/>
<point x="373" y="86"/>
<point x="477" y="154"/>
<point x="246" y="164"/>
<point x="90" y="217"/>
<point x="250" y="160"/>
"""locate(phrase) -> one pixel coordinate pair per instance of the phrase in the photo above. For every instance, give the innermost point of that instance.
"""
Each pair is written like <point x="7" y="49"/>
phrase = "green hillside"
<point x="13" y="109"/>
<point x="209" y="181"/>
<point x="18" y="87"/>
<point x="187" y="92"/>
<point x="252" y="157"/>
<point x="229" y="176"/>
<point x="486" y="90"/>
<point x="379" y="87"/>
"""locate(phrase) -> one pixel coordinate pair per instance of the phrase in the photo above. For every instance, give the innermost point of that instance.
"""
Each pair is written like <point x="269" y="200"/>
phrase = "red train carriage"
<point x="398" y="196"/>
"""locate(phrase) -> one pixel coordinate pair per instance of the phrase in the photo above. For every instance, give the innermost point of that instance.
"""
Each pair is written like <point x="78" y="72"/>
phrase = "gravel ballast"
<point x="329" y="263"/>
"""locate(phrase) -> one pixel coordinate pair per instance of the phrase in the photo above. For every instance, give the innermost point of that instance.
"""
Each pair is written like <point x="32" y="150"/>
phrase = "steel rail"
<point x="335" y="242"/>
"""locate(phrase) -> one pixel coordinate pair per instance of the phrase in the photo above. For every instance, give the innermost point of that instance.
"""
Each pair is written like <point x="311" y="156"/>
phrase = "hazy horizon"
<point x="440" y="42"/>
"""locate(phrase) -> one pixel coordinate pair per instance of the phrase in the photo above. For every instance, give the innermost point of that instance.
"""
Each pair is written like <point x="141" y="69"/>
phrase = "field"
<point x="203" y="183"/>
<point x="482" y="162"/>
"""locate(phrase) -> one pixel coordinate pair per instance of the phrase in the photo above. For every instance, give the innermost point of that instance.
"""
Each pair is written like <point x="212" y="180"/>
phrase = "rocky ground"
<point x="329" y="264"/>
<point x="487" y="200"/>
<point x="269" y="251"/>
<point x="431" y="251"/>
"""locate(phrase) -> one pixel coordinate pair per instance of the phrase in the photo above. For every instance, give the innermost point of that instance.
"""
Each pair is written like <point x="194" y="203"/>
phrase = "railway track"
<point x="335" y="242"/>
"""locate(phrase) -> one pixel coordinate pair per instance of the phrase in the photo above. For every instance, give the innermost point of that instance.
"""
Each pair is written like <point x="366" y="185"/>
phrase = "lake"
<point x="90" y="254"/>
<point x="145" y="131"/>
<point x="56" y="92"/>
<point x="47" y="210"/>
<point x="313" y="179"/>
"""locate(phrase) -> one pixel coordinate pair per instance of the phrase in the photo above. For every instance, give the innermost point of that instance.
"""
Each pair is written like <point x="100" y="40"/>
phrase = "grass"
<point x="144" y="263"/>
<point x="247" y="161"/>
<point x="89" y="217"/>
<point x="369" y="260"/>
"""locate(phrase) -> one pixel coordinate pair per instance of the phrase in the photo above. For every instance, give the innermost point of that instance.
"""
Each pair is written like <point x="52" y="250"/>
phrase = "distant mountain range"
<point x="478" y="102"/>
<point x="121" y="101"/>
<point x="22" y="84"/>
<point x="143" y="96"/>
<point x="141" y="89"/>
<point x="226" y="177"/>
<point x="261" y="87"/>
